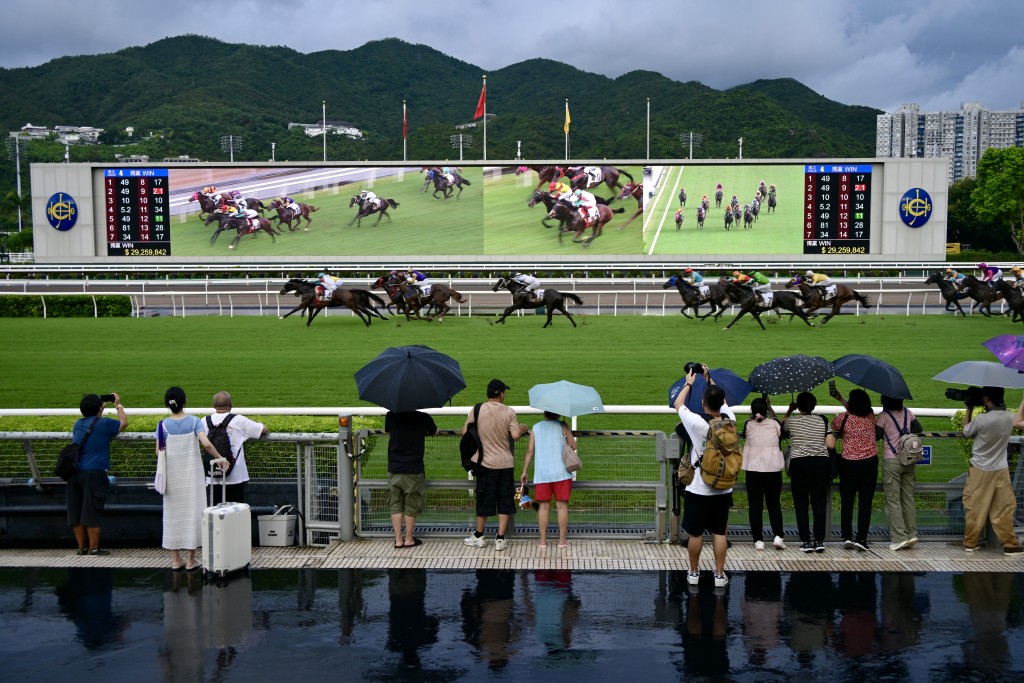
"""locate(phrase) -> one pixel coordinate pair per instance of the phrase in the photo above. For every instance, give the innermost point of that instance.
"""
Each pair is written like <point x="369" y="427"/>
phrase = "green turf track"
<point x="420" y="225"/>
<point x="512" y="228"/>
<point x="777" y="233"/>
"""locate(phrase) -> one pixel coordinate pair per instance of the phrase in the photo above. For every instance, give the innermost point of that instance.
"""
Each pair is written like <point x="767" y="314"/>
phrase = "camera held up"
<point x="698" y="368"/>
<point x="970" y="396"/>
<point x="108" y="398"/>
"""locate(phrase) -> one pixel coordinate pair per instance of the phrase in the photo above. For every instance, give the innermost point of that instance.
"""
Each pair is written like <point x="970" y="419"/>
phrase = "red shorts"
<point x="559" y="489"/>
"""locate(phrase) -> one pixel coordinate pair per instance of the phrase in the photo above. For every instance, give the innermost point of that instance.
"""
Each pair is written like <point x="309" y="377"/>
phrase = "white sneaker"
<point x="721" y="581"/>
<point x="758" y="545"/>
<point x="778" y="543"/>
<point x="475" y="541"/>
<point x="693" y="578"/>
<point x="899" y="546"/>
<point x="911" y="542"/>
<point x="500" y="544"/>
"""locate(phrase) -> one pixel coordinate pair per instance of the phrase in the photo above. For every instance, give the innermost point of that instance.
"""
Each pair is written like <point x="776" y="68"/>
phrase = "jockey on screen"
<point x="289" y="203"/>
<point x="559" y="190"/>
<point x="587" y="204"/>
<point x="368" y="197"/>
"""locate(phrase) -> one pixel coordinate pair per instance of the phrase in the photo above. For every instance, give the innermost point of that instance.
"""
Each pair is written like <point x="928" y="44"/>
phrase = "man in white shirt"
<point x="705" y="509"/>
<point x="240" y="429"/>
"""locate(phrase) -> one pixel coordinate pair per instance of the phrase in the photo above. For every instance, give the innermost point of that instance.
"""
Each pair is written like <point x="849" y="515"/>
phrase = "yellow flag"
<point x="567" y="119"/>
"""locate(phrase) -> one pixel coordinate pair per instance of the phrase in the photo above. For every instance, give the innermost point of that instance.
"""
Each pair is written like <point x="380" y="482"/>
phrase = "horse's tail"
<point x="393" y="203"/>
<point x="572" y="297"/>
<point x="373" y="297"/>
<point x="465" y="182"/>
<point x="862" y="298"/>
<point x="458" y="297"/>
<point x="625" y="173"/>
<point x="619" y="210"/>
<point x="312" y="208"/>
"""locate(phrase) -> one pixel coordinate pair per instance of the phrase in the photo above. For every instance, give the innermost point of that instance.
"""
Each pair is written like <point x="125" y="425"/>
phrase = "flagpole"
<point x="325" y="128"/>
<point x="405" y="133"/>
<point x="485" y="118"/>
<point x="648" y="128"/>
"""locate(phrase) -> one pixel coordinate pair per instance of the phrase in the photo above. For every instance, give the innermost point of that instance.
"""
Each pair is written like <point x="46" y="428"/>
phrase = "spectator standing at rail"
<point x="550" y="478"/>
<point x="809" y="467"/>
<point x="240" y="429"/>
<point x="858" y="468"/>
<point x="988" y="492"/>
<point x="898" y="480"/>
<point x="498" y="427"/>
<point x="406" y="472"/>
<point x="763" y="462"/>
<point x="88" y="488"/>
<point x="705" y="508"/>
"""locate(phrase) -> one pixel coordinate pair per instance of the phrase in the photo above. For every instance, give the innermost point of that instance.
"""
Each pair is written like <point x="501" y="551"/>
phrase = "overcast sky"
<point x="879" y="53"/>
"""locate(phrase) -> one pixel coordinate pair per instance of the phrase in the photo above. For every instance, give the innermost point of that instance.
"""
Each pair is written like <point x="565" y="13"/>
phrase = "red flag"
<point x="481" y="105"/>
<point x="405" y="123"/>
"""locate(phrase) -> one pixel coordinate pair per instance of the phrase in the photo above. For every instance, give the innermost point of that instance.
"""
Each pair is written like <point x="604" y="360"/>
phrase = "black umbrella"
<point x="406" y="378"/>
<point x="872" y="373"/>
<point x="790" y="374"/>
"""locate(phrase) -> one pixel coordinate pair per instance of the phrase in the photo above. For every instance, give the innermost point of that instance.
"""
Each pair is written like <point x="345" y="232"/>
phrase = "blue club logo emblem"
<point x="62" y="211"/>
<point x="915" y="207"/>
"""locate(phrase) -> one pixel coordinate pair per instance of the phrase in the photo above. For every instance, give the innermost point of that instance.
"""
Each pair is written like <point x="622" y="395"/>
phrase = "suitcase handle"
<point x="213" y="481"/>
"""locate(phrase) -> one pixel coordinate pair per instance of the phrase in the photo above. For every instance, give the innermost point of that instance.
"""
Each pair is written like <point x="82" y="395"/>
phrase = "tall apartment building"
<point x="960" y="136"/>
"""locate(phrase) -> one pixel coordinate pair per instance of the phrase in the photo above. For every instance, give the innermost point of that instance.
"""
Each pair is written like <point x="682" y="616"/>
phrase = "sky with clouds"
<point x="878" y="53"/>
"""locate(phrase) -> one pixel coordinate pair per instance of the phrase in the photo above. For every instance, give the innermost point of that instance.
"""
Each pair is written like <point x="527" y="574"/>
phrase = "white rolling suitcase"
<point x="227" y="534"/>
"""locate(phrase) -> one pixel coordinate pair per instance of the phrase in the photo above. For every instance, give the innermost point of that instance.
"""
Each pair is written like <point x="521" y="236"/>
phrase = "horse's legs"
<point x="551" y="309"/>
<point x="836" y="305"/>
<point x="213" y="237"/>
<point x="508" y="311"/>
<point x="561" y="307"/>
<point x="238" y="237"/>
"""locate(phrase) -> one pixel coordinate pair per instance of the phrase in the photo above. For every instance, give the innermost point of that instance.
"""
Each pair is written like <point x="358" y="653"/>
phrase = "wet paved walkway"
<point x="581" y="555"/>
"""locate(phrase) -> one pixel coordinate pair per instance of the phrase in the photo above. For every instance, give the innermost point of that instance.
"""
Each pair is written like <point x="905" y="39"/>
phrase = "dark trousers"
<point x="235" y="493"/>
<point x="809" y="478"/>
<point x="857" y="478"/>
<point x="764" y="489"/>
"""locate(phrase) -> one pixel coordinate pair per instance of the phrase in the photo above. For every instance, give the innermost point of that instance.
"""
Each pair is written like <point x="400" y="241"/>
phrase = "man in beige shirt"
<point x="495" y="484"/>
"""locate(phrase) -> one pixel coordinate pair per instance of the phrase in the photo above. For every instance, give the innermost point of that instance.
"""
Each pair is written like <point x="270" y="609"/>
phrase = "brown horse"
<point x="227" y="221"/>
<point x="286" y="216"/>
<point x="437" y="300"/>
<point x="207" y="204"/>
<point x="380" y="206"/>
<point x="359" y="301"/>
<point x="609" y="176"/>
<point x="545" y="174"/>
<point x="577" y="225"/>
<point x="390" y="284"/>
<point x="636" y="191"/>
<point x="814" y="297"/>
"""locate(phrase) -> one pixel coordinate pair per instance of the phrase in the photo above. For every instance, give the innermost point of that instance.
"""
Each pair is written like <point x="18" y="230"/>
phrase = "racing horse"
<point x="718" y="197"/>
<point x="207" y="204"/>
<point x="679" y="219"/>
<point x="682" y="197"/>
<point x="286" y="216"/>
<point x="447" y="187"/>
<point x="636" y="191"/>
<point x="545" y="174"/>
<point x="983" y="293"/>
<point x="717" y="297"/>
<point x="390" y="282"/>
<point x="359" y="301"/>
<point x="745" y="299"/>
<point x="748" y="217"/>
<point x="437" y="300"/>
<point x="1014" y="300"/>
<point x="772" y="201"/>
<point x="549" y="201"/>
<point x="227" y="221"/>
<point x="609" y="176"/>
<point x="814" y="297"/>
<point x="577" y="225"/>
<point x="728" y="218"/>
<point x="950" y="292"/>
<point x="701" y="215"/>
<point x="380" y="205"/>
<point x="552" y="300"/>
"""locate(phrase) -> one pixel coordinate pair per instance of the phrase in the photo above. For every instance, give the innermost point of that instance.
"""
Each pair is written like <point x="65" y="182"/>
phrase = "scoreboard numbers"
<point x="136" y="205"/>
<point x="837" y="209"/>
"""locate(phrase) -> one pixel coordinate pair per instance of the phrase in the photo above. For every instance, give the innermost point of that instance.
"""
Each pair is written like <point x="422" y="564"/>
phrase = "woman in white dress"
<point x="185" y="487"/>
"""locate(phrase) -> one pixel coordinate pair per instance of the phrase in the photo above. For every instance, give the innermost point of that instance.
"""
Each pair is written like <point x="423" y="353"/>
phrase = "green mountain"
<point x="190" y="90"/>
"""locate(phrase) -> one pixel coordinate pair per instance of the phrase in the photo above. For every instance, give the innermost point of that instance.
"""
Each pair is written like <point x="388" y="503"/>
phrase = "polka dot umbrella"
<point x="790" y="374"/>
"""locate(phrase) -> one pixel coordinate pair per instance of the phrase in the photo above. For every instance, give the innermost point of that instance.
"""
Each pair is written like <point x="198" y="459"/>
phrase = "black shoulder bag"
<point x="471" y="445"/>
<point x="67" y="461"/>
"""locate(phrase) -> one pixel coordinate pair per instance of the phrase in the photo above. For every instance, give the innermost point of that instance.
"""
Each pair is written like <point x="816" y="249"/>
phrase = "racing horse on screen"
<point x="285" y="216"/>
<point x="368" y="207"/>
<point x="243" y="226"/>
<point x="609" y="176"/>
<point x="552" y="300"/>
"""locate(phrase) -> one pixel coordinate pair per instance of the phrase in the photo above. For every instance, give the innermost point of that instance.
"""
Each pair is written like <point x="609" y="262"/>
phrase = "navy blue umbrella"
<point x="735" y="387"/>
<point x="872" y="373"/>
<point x="406" y="378"/>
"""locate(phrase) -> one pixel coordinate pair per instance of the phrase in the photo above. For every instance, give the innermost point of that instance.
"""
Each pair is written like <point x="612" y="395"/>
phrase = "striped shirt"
<point x="806" y="432"/>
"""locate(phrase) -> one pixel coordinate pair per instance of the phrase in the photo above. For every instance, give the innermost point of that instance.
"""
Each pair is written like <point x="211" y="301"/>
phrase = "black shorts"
<point x="495" y="492"/>
<point x="706" y="513"/>
<point x="86" y="495"/>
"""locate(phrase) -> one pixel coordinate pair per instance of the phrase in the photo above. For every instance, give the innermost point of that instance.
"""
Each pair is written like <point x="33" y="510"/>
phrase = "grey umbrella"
<point x="789" y="374"/>
<point x="982" y="373"/>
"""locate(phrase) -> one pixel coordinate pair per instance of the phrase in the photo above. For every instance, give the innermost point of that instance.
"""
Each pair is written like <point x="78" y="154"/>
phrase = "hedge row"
<point x="65" y="306"/>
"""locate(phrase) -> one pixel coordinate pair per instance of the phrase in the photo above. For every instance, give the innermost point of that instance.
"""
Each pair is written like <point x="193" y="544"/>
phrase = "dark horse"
<point x="380" y="205"/>
<point x="437" y="300"/>
<point x="747" y="302"/>
<point x="552" y="300"/>
<point x="682" y="197"/>
<point x="772" y="201"/>
<point x="1014" y="300"/>
<point x="227" y="221"/>
<point x="286" y="215"/>
<point x="208" y="204"/>
<point x="718" y="198"/>
<point x="359" y="301"/>
<point x="390" y="284"/>
<point x="983" y="293"/>
<point x="950" y="292"/>
<point x="577" y="225"/>
<point x="717" y="296"/>
<point x="609" y="176"/>
<point x="447" y="187"/>
<point x="815" y="297"/>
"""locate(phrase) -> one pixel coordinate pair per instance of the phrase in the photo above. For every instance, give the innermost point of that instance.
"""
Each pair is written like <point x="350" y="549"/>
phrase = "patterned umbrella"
<point x="1009" y="349"/>
<point x="790" y="374"/>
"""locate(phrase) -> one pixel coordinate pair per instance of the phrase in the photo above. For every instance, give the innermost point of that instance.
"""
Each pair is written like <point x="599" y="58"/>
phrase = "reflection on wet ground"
<point x="417" y="624"/>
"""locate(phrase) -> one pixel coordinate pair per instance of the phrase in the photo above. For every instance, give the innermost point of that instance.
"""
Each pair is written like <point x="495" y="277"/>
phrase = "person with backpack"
<point x="763" y="462"/>
<point x="858" y="468"/>
<point x="898" y="480"/>
<point x="708" y="496"/>
<point x="228" y="432"/>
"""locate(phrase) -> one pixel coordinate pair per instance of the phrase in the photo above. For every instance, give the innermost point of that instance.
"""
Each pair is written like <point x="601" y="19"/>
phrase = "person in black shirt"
<point x="406" y="477"/>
